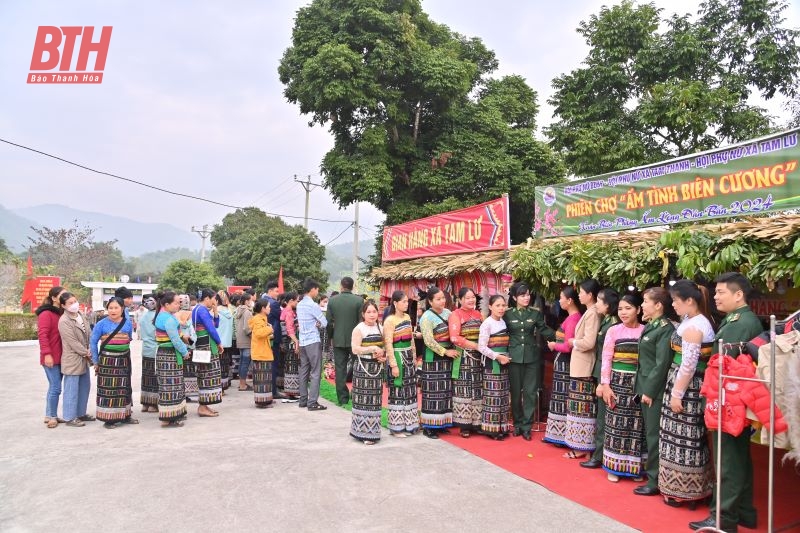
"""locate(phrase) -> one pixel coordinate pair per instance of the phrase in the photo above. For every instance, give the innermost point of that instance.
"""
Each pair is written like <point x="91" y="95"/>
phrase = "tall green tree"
<point x="418" y="126"/>
<point x="652" y="87"/>
<point x="186" y="276"/>
<point x="251" y="247"/>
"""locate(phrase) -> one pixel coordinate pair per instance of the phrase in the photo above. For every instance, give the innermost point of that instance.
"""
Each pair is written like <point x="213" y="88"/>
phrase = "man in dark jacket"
<point x="343" y="314"/>
<point x="739" y="327"/>
<point x="274" y="319"/>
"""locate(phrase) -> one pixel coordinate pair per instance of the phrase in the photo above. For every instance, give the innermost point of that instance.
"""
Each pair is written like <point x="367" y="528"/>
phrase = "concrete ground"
<point x="280" y="469"/>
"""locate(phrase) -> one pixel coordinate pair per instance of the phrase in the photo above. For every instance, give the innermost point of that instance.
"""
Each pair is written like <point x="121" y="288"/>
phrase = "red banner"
<point x="237" y="288"/>
<point x="472" y="229"/>
<point x="37" y="288"/>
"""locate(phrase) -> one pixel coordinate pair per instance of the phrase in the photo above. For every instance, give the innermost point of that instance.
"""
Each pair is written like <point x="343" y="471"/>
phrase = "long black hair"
<point x="396" y="297"/>
<point x="591" y="286"/>
<point x="164" y="298"/>
<point x="611" y="298"/>
<point x="685" y="289"/>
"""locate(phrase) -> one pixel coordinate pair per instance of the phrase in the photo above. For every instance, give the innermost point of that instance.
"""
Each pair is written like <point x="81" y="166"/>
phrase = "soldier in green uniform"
<point x="524" y="323"/>
<point x="607" y="304"/>
<point x="739" y="326"/>
<point x="343" y="315"/>
<point x="655" y="358"/>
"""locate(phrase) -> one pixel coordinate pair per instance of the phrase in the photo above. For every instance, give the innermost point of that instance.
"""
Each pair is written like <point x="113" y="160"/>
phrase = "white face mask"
<point x="74" y="308"/>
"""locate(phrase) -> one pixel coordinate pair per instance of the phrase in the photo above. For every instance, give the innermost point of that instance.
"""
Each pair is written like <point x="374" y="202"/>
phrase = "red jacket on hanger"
<point x="739" y="395"/>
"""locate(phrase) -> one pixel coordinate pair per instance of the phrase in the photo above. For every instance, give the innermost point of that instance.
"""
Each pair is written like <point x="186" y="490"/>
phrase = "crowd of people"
<point x="625" y="394"/>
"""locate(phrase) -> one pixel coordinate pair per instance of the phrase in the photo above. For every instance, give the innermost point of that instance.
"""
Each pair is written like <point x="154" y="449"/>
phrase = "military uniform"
<point x="739" y="326"/>
<point x="524" y="371"/>
<point x="655" y="359"/>
<point x="343" y="315"/>
<point x="600" y="433"/>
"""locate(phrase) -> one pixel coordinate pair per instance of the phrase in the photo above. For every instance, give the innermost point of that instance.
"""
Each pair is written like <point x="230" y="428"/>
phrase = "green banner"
<point x="752" y="177"/>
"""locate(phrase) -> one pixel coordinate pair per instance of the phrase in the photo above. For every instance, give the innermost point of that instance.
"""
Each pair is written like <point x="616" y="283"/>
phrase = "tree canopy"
<point x="251" y="247"/>
<point x="418" y="126"/>
<point x="652" y="88"/>
<point x="186" y="276"/>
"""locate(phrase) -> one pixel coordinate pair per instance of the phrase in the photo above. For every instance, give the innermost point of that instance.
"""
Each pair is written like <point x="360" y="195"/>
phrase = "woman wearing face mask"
<point x="189" y="336"/>
<point x="465" y="324"/>
<point x="261" y="354"/>
<point x="113" y="365"/>
<point x="367" y="345"/>
<point x="624" y="443"/>
<point x="147" y="332"/>
<point x="581" y="399"/>
<point x="525" y="324"/>
<point x="401" y="368"/>
<point x="74" y="331"/>
<point x="556" y="431"/>
<point x="209" y="375"/>
<point x="47" y="317"/>
<point x="493" y="345"/>
<point x="170" y="354"/>
<point x="436" y="413"/>
<point x="225" y="330"/>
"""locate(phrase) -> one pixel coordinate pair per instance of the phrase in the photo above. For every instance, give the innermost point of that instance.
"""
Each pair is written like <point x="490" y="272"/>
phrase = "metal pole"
<point x="771" y="423"/>
<point x="721" y="402"/>
<point x="355" y="249"/>
<point x="204" y="233"/>
<point x="307" y="187"/>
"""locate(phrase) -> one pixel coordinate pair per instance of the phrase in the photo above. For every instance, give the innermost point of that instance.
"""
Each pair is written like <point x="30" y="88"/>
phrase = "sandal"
<point x="369" y="443"/>
<point x="247" y="388"/>
<point x="111" y="425"/>
<point x="52" y="423"/>
<point x="76" y="423"/>
<point x="210" y="414"/>
<point x="172" y="423"/>
<point x="399" y="434"/>
<point x="572" y="455"/>
<point x="613" y="478"/>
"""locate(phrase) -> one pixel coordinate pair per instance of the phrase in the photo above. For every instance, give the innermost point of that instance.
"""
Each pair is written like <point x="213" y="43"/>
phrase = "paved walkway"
<point x="280" y="469"/>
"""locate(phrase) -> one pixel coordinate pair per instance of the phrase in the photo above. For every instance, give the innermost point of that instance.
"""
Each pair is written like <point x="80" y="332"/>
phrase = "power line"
<point x="342" y="233"/>
<point x="147" y="185"/>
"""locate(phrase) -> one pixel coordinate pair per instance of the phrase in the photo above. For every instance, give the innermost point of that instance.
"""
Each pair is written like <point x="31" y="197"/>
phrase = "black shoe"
<point x="592" y="463"/>
<point x="646" y="490"/>
<point x="526" y="435"/>
<point x="711" y="522"/>
<point x="517" y="432"/>
<point x="278" y="396"/>
<point x="430" y="434"/>
<point x="302" y="405"/>
<point x="316" y="407"/>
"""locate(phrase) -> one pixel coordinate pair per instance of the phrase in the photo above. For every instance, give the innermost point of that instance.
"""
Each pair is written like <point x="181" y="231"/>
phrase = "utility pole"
<point x="355" y="249"/>
<point x="204" y="232"/>
<point x="308" y="186"/>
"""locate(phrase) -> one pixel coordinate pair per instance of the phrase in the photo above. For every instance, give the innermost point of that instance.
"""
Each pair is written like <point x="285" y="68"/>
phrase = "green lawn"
<point x="328" y="391"/>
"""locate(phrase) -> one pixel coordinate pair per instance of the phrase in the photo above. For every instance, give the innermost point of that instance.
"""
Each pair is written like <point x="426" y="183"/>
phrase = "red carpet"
<point x="543" y="464"/>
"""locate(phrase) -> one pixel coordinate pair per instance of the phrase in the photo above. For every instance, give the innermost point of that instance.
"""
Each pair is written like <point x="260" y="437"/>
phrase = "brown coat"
<point x="75" y="342"/>
<point x="581" y="362"/>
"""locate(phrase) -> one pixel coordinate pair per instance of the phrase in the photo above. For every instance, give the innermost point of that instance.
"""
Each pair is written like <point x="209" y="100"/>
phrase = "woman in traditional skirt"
<point x="465" y="324"/>
<point x="556" y="431"/>
<point x="184" y="317"/>
<point x="243" y="341"/>
<point x="289" y="344"/>
<point x="684" y="470"/>
<point x="169" y="362"/>
<point x="581" y="399"/>
<point x="493" y="345"/>
<point x="401" y="373"/>
<point x="113" y="365"/>
<point x="225" y="330"/>
<point x="261" y="354"/>
<point x="209" y="376"/>
<point x="607" y="304"/>
<point x="624" y="448"/>
<point x="147" y="332"/>
<point x="367" y="344"/>
<point x="436" y="414"/>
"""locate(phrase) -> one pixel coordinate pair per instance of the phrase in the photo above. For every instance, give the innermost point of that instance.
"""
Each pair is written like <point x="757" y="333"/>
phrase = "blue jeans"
<point x="244" y="364"/>
<point x="53" y="390"/>
<point x="76" y="395"/>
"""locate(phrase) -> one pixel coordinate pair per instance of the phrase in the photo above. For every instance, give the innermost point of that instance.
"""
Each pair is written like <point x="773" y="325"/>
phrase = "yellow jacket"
<point x="260" y="339"/>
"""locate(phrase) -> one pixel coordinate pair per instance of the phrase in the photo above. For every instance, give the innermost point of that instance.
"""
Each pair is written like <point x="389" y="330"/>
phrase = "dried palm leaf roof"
<point x="764" y="228"/>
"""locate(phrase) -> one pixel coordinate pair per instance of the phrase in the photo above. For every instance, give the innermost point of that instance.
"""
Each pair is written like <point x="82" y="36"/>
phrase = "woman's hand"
<point x="395" y="371"/>
<point x="551" y="345"/>
<point x="599" y="391"/>
<point x="647" y="400"/>
<point x="609" y="397"/>
<point x="221" y="350"/>
<point x="452" y="354"/>
<point x="503" y="359"/>
<point x="48" y="361"/>
<point x="676" y="404"/>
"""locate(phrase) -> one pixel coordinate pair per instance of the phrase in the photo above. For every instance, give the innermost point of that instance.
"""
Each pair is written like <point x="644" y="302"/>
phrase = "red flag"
<point x="30" y="266"/>
<point x="280" y="280"/>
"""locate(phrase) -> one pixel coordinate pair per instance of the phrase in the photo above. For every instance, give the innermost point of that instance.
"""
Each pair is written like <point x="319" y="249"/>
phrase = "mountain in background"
<point x="133" y="238"/>
<point x="339" y="260"/>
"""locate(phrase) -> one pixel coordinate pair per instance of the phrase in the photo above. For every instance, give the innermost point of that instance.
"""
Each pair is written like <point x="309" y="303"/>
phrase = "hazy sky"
<point x="191" y="102"/>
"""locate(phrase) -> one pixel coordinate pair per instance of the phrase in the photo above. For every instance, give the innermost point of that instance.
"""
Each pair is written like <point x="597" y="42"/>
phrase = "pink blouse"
<point x="569" y="325"/>
<point x="620" y="331"/>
